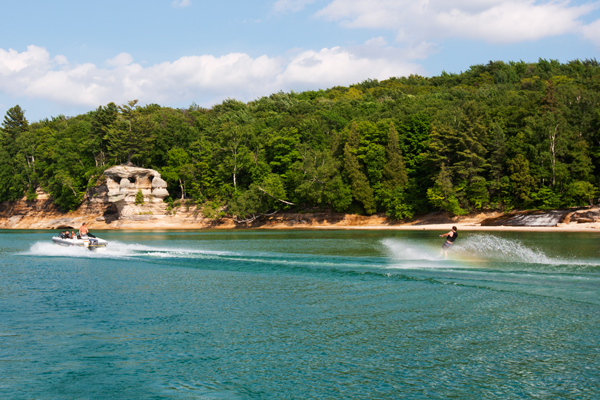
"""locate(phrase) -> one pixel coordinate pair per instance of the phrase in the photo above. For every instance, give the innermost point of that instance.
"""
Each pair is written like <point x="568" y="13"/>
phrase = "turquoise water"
<point x="299" y="315"/>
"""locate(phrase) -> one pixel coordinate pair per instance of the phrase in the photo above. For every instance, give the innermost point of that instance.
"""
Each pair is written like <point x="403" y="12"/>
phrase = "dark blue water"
<point x="300" y="314"/>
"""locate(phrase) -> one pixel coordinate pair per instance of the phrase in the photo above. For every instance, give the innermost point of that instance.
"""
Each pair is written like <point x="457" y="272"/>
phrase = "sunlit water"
<point x="300" y="314"/>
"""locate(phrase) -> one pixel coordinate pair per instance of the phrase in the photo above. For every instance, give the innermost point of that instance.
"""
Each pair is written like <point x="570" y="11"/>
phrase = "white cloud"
<point x="496" y="21"/>
<point x="342" y="66"/>
<point x="205" y="79"/>
<point x="181" y="3"/>
<point x="592" y="32"/>
<point x="120" y="60"/>
<point x="284" y="6"/>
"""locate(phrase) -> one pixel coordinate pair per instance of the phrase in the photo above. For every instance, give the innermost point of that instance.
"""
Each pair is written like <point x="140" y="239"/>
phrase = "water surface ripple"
<point x="300" y="314"/>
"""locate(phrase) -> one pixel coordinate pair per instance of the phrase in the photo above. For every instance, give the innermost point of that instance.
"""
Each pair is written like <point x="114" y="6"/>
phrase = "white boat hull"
<point x="85" y="241"/>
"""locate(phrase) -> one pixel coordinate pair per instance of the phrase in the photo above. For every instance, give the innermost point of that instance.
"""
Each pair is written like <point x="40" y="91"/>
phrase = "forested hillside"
<point x="498" y="136"/>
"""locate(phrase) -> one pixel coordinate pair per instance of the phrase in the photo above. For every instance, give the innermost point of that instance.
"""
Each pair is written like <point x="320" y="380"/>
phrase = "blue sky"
<point x="69" y="57"/>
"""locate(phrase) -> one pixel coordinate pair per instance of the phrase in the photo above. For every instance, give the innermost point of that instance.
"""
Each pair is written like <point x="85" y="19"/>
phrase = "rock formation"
<point x="125" y="182"/>
<point x="584" y="217"/>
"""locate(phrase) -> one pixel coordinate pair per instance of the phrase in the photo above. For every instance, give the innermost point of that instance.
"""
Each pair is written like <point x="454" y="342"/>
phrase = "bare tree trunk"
<point x="283" y="201"/>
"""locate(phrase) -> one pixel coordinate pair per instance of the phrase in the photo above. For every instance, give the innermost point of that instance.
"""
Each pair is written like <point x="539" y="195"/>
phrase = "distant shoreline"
<point x="150" y="227"/>
<point x="23" y="215"/>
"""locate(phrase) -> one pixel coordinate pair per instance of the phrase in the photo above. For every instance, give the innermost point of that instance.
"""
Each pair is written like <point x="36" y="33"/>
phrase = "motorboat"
<point x="88" y="241"/>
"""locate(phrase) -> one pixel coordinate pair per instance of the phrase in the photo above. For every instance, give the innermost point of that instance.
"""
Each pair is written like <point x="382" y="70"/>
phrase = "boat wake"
<point x="119" y="250"/>
<point x="476" y="251"/>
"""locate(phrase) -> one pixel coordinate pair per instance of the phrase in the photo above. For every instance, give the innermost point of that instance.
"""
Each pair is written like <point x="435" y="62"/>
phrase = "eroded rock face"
<point x="123" y="184"/>
<point x="585" y="216"/>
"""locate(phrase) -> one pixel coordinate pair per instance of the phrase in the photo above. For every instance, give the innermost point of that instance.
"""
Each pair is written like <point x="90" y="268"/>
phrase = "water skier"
<point x="450" y="238"/>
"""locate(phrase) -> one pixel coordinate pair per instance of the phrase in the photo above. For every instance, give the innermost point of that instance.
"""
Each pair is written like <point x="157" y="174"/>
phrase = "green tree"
<point x="522" y="180"/>
<point x="361" y="191"/>
<point x="469" y="147"/>
<point x="236" y="157"/>
<point x="12" y="180"/>
<point x="14" y="124"/>
<point x="261" y="198"/>
<point x="394" y="171"/>
<point x="442" y="195"/>
<point x="178" y="170"/>
<point x="104" y="118"/>
<point x="139" y="197"/>
<point x="130" y="137"/>
<point x="317" y="180"/>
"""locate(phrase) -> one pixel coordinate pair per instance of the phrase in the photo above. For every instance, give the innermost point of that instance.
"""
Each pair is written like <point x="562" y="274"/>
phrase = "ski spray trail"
<point x="493" y="248"/>
<point x="476" y="248"/>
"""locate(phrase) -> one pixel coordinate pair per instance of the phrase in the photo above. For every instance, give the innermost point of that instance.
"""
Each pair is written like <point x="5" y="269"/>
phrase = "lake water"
<point x="300" y="315"/>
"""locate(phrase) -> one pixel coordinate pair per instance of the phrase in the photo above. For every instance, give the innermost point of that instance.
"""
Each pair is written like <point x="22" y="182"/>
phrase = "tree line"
<point x="499" y="136"/>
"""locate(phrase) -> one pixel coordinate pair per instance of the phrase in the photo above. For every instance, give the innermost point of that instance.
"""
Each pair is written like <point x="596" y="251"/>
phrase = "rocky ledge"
<point x="545" y="218"/>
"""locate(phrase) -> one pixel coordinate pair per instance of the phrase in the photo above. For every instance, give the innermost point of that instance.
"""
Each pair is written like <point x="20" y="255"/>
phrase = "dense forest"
<point x="500" y="136"/>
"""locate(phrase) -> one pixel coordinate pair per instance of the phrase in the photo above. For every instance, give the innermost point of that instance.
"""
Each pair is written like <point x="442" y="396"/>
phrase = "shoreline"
<point x="98" y="215"/>
<point x="576" y="228"/>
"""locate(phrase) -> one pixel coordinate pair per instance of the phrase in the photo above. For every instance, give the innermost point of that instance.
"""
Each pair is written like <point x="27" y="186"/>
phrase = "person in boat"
<point x="73" y="235"/>
<point x="83" y="230"/>
<point x="450" y="238"/>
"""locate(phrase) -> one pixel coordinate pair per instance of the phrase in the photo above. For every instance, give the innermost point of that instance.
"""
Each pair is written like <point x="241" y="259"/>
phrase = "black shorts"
<point x="447" y="245"/>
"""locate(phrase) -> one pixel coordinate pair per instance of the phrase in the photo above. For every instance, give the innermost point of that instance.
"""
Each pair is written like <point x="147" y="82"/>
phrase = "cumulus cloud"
<point x="205" y="79"/>
<point x="120" y="60"/>
<point x="495" y="21"/>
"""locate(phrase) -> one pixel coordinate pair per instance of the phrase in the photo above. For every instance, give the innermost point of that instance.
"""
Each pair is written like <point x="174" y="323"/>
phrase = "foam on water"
<point x="493" y="248"/>
<point x="476" y="248"/>
<point x="118" y="250"/>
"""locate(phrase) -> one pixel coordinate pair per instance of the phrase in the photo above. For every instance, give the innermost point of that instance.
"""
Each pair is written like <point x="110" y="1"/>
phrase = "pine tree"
<point x="441" y="147"/>
<point x="522" y="180"/>
<point x="442" y="194"/>
<point x="359" y="184"/>
<point x="104" y="117"/>
<point x="12" y="181"/>
<point x="470" y="150"/>
<point x="394" y="171"/>
<point x="14" y="124"/>
<point x="131" y="135"/>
